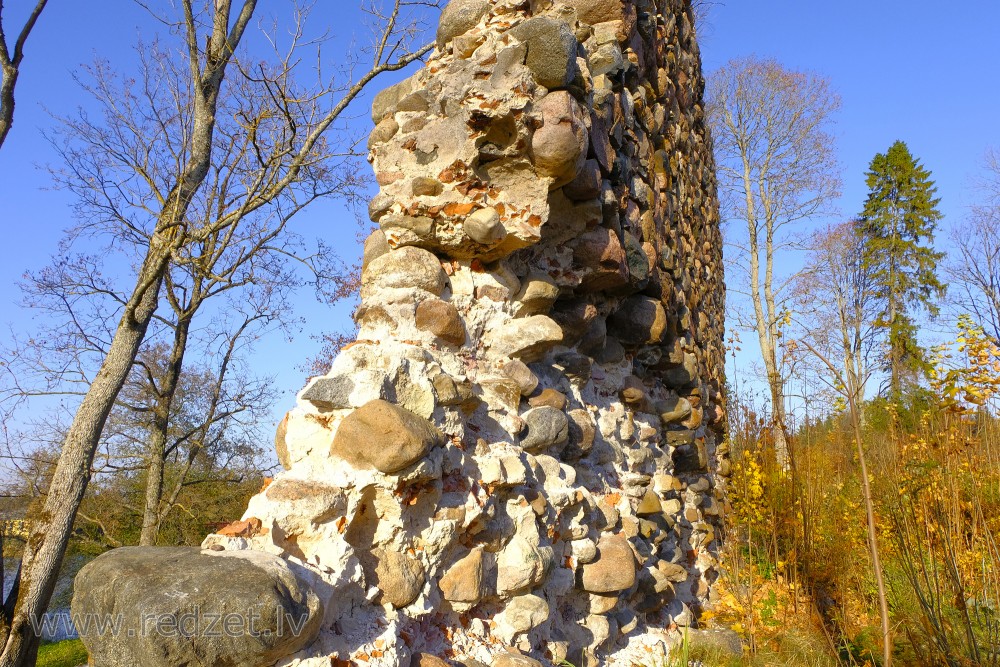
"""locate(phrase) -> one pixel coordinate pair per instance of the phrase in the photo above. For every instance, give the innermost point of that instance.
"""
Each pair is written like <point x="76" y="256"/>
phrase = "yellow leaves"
<point x="747" y="493"/>
<point x="970" y="381"/>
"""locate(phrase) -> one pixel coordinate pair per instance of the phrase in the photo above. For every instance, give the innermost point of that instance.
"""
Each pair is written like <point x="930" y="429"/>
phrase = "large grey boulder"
<point x="170" y="606"/>
<point x="551" y="50"/>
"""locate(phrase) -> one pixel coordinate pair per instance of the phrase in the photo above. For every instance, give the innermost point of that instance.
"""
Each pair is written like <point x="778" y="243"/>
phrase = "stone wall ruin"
<point x="516" y="460"/>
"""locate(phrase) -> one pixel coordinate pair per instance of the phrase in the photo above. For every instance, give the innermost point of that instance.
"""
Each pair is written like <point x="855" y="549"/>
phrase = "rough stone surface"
<point x="525" y="339"/>
<point x="546" y="427"/>
<point x="384" y="436"/>
<point x="484" y="227"/>
<point x="601" y="256"/>
<point x="441" y="319"/>
<point x="640" y="321"/>
<point x="405" y="268"/>
<point x="614" y="569"/>
<point x="398" y="577"/>
<point x="459" y="17"/>
<point x="529" y="416"/>
<point x="589" y="11"/>
<point x="179" y="585"/>
<point x="538" y="293"/>
<point x="463" y="581"/>
<point x="559" y="146"/>
<point x="551" y="50"/>
<point x="427" y="660"/>
<point x="512" y="660"/>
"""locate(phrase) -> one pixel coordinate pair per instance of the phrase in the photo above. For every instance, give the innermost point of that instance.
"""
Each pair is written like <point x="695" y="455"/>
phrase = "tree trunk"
<point x="49" y="533"/>
<point x="157" y="454"/>
<point x="872" y="532"/>
<point x="7" y="101"/>
<point x="154" y="491"/>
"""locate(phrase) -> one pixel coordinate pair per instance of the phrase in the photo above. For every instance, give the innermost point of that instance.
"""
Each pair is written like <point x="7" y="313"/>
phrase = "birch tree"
<point x="777" y="169"/>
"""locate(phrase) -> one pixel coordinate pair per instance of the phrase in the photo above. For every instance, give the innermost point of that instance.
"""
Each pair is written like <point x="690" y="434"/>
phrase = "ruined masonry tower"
<point x="517" y="460"/>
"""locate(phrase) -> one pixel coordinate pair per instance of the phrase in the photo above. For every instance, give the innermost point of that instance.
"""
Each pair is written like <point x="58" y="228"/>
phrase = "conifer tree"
<point x="897" y="228"/>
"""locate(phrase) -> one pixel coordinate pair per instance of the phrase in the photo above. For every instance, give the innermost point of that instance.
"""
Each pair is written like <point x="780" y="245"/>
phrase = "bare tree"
<point x="974" y="270"/>
<point x="836" y="318"/>
<point x="777" y="168"/>
<point x="115" y="172"/>
<point x="836" y="307"/>
<point x="10" y="65"/>
<point x="282" y="151"/>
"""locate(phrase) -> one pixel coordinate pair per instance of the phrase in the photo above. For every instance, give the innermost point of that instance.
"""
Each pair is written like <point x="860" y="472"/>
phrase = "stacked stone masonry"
<point x="517" y="460"/>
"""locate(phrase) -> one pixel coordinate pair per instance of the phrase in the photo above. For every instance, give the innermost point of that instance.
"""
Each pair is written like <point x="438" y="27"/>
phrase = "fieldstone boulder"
<point x="614" y="569"/>
<point x="640" y="320"/>
<point x="588" y="11"/>
<point x="650" y="504"/>
<point x="403" y="268"/>
<point x="514" y="660"/>
<point x="518" y="372"/>
<point x="458" y="18"/>
<point x="601" y="259"/>
<point x="185" y="606"/>
<point x="550" y="397"/>
<point x="376" y="245"/>
<point x="427" y="660"/>
<point x="399" y="577"/>
<point x="441" y="319"/>
<point x="386" y="101"/>
<point x="521" y="565"/>
<point x="522" y="614"/>
<point x="551" y="50"/>
<point x="330" y="393"/>
<point x="484" y="226"/>
<point x="559" y="146"/>
<point x="383" y="132"/>
<point x="538" y="293"/>
<point x="587" y="184"/>
<point x="384" y="436"/>
<point x="526" y="339"/>
<point x="674" y="409"/>
<point x="546" y="427"/>
<point x="463" y="581"/>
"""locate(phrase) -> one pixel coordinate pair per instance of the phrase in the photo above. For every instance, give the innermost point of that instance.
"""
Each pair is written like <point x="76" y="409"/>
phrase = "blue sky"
<point x="918" y="71"/>
<point x="922" y="72"/>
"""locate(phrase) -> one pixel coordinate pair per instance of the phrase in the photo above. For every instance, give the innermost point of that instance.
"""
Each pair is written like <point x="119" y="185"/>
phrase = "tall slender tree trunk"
<point x="762" y="296"/>
<point x="50" y="531"/>
<point x="850" y="392"/>
<point x="154" y="492"/>
<point x="883" y="603"/>
<point x="159" y="435"/>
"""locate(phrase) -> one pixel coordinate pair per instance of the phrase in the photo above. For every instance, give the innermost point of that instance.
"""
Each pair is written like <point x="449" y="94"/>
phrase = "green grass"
<point x="69" y="653"/>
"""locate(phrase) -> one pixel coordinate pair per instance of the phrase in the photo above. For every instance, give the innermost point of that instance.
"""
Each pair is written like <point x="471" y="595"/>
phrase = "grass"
<point x="788" y="649"/>
<point x="69" y="653"/>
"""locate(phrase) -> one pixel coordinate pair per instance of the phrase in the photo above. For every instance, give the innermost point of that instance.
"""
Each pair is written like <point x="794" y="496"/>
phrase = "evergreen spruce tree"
<point x="897" y="228"/>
